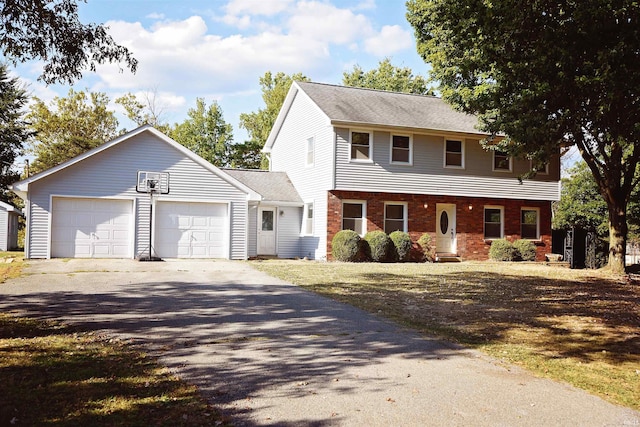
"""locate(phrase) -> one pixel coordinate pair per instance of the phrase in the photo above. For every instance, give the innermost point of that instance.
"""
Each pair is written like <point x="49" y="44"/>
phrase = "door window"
<point x="267" y="220"/>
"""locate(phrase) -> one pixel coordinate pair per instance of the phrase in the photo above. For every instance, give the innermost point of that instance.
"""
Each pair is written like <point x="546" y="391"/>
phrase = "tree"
<point x="258" y="124"/>
<point x="581" y="205"/>
<point x="13" y="128"/>
<point x="387" y="77"/>
<point x="206" y="133"/>
<point x="51" y="31"/>
<point x="548" y="75"/>
<point x="69" y="127"/>
<point x="147" y="111"/>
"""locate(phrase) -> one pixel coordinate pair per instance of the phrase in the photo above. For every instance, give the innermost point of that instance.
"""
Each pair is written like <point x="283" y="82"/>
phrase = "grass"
<point x="11" y="264"/>
<point x="577" y="326"/>
<point x="54" y="375"/>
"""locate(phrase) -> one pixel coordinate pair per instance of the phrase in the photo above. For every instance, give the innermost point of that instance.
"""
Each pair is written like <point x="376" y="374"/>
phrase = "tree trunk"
<point x="617" y="238"/>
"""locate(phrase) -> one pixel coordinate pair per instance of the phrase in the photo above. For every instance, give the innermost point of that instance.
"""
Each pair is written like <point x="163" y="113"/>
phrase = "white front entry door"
<point x="446" y="228"/>
<point x="267" y="231"/>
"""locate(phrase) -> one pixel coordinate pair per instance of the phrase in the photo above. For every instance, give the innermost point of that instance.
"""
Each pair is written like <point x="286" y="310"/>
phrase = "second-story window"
<point x="401" y="149"/>
<point x="501" y="161"/>
<point x="310" y="151"/>
<point x="454" y="154"/>
<point x="360" y="146"/>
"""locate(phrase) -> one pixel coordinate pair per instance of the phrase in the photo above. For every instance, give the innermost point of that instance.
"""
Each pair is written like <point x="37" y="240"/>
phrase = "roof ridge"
<point x="371" y="89"/>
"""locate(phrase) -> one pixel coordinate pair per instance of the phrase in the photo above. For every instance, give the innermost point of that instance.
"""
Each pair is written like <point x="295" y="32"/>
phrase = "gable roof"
<point x="350" y="106"/>
<point x="272" y="186"/>
<point x="22" y="187"/>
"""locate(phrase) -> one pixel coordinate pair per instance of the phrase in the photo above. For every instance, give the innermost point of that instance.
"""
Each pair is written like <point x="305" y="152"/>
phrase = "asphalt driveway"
<point x="271" y="353"/>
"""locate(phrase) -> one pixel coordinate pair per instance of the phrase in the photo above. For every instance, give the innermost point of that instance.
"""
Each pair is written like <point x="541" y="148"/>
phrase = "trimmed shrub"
<point x="346" y="246"/>
<point x="428" y="251"/>
<point x="525" y="250"/>
<point x="402" y="245"/>
<point x="502" y="250"/>
<point x="379" y="246"/>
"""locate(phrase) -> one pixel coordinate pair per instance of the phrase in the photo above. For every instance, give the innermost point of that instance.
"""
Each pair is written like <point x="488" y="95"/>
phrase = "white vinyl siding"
<point x="112" y="174"/>
<point x="428" y="176"/>
<point x="4" y="230"/>
<point x="304" y="118"/>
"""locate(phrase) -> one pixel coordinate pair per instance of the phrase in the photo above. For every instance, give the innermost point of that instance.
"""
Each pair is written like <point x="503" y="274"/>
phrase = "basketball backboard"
<point x="153" y="182"/>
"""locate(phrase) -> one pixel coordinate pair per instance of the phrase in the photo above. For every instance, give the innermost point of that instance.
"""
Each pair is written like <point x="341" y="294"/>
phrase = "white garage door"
<point x="191" y="230"/>
<point x="91" y="228"/>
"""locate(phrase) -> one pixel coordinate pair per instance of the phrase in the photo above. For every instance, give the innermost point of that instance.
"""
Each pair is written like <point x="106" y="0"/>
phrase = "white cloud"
<point x="366" y="5"/>
<point x="391" y="39"/>
<point x="327" y="23"/>
<point x="155" y="15"/>
<point x="253" y="7"/>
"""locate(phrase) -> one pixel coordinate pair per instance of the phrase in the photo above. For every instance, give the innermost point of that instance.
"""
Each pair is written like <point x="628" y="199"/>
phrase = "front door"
<point x="446" y="228"/>
<point x="267" y="231"/>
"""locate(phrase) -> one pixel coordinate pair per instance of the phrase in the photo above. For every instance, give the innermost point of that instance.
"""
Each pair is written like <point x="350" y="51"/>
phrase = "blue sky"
<point x="218" y="50"/>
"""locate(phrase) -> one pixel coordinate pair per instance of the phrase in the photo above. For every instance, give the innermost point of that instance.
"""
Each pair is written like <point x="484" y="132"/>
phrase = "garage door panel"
<point x="82" y="228"/>
<point x="191" y="230"/>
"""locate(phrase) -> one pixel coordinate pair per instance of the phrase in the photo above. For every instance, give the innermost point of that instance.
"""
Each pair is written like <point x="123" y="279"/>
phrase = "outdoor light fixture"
<point x="426" y="205"/>
<point x="470" y="207"/>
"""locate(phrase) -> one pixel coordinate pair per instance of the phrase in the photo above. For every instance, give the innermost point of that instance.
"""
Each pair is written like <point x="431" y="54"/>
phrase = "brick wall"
<point x="471" y="244"/>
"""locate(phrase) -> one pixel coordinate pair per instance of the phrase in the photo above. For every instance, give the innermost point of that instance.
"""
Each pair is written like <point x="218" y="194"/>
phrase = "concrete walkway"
<point x="271" y="353"/>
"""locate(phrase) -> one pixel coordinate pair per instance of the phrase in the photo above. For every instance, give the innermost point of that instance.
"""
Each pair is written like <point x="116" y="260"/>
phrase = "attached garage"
<point x="93" y="206"/>
<point x="91" y="228"/>
<point x="191" y="230"/>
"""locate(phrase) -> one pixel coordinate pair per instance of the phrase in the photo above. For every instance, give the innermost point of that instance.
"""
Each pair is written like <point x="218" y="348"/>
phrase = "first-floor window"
<point x="529" y="220"/>
<point x="493" y="222"/>
<point x="354" y="216"/>
<point x="395" y="217"/>
<point x="307" y="221"/>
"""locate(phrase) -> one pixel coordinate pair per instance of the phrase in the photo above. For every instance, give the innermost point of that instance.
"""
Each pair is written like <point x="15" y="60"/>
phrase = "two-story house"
<point x="367" y="160"/>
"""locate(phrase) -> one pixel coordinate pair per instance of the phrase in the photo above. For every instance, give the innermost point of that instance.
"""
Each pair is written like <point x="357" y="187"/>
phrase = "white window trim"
<point x="364" y="214"/>
<point x="405" y="210"/>
<point x="542" y="172"/>
<point x="391" y="161"/>
<point x="370" y="159"/>
<point x="484" y="223"/>
<point x="305" y="219"/>
<point x="311" y="141"/>
<point x="527" y="208"/>
<point x="462" y="149"/>
<point x="493" y="164"/>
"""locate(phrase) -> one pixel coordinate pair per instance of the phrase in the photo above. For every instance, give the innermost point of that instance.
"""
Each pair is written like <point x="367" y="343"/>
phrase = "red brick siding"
<point x="471" y="244"/>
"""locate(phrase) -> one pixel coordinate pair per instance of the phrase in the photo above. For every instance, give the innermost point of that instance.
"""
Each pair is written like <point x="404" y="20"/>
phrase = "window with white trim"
<point x="493" y="222"/>
<point x="453" y="154"/>
<point x="354" y="216"/>
<point x="361" y="145"/>
<point x="501" y="161"/>
<point x="530" y="223"/>
<point x="307" y="219"/>
<point x="310" y="151"/>
<point x="540" y="169"/>
<point x="395" y="217"/>
<point x="401" y="149"/>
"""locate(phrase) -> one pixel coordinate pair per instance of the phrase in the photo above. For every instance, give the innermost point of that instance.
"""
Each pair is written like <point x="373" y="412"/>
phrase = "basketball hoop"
<point x="151" y="183"/>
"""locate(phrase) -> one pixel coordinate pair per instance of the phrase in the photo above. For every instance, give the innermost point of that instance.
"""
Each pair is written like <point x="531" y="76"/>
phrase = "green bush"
<point x="426" y="246"/>
<point x="379" y="246"/>
<point x="346" y="246"/>
<point x="402" y="245"/>
<point x="502" y="250"/>
<point x="525" y="250"/>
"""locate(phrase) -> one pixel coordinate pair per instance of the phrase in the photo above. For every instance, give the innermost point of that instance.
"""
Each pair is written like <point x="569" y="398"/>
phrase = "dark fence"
<point x="580" y="248"/>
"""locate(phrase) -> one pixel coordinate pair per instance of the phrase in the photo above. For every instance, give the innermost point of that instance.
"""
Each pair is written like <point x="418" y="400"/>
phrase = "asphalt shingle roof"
<point x="377" y="107"/>
<point x="272" y="186"/>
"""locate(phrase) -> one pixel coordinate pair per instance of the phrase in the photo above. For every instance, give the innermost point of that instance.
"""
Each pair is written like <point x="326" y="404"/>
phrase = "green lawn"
<point x="578" y="326"/>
